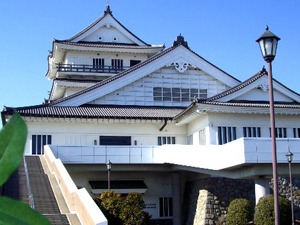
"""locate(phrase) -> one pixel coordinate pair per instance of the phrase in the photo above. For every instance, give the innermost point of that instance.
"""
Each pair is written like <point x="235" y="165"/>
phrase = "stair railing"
<point x="30" y="195"/>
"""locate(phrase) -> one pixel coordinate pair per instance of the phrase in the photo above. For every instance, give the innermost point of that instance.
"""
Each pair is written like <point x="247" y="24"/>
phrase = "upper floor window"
<point x="134" y="62"/>
<point x="251" y="132"/>
<point x="165" y="140"/>
<point x="98" y="62"/>
<point x="178" y="94"/>
<point x="280" y="132"/>
<point x="226" y="134"/>
<point x="296" y="132"/>
<point x="38" y="142"/>
<point x="117" y="63"/>
<point x="190" y="139"/>
<point x="115" y="140"/>
<point x="202" y="137"/>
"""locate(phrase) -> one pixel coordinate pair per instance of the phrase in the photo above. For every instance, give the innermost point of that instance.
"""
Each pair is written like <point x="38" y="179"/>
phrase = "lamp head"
<point x="289" y="156"/>
<point x="268" y="45"/>
<point x="108" y="165"/>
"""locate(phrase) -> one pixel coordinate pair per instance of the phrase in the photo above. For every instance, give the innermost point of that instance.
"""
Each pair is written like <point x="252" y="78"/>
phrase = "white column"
<point x="262" y="188"/>
<point x="176" y="198"/>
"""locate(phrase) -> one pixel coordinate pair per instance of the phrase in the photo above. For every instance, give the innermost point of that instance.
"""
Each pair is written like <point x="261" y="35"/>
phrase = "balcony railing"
<point x="90" y="68"/>
<point x="238" y="152"/>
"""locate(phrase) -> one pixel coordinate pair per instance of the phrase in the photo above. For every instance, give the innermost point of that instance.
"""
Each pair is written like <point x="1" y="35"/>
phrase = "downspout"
<point x="165" y="124"/>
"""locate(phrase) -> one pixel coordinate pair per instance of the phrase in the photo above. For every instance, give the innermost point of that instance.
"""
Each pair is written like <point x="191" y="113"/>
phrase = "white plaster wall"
<point x="69" y="91"/>
<point x="75" y="133"/>
<point x="108" y="35"/>
<point x="260" y="95"/>
<point x="211" y="122"/>
<point x="251" y="120"/>
<point x="140" y="92"/>
<point x="77" y="57"/>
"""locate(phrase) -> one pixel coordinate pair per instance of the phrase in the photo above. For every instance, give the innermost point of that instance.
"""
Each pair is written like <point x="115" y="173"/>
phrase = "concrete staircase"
<point x="44" y="199"/>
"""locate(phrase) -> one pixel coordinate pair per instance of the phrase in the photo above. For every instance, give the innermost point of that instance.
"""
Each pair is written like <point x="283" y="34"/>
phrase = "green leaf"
<point x="16" y="212"/>
<point x="12" y="143"/>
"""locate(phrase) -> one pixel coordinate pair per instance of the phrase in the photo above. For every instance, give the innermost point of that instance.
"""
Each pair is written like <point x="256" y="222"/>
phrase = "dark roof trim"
<point x="96" y="112"/>
<point x="255" y="104"/>
<point x="107" y="45"/>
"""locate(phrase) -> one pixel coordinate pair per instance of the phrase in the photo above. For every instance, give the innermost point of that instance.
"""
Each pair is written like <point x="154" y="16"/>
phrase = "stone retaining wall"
<point x="206" y="201"/>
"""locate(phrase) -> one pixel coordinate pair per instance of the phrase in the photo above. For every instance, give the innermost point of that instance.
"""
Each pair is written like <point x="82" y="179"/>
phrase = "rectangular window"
<point x="115" y="140"/>
<point x="202" y="137"/>
<point x="117" y="63"/>
<point x="226" y="134"/>
<point x="165" y="140"/>
<point x="38" y="142"/>
<point x="98" y="63"/>
<point x="280" y="132"/>
<point x="296" y="132"/>
<point x="251" y="132"/>
<point x="134" y="62"/>
<point x="157" y="94"/>
<point x="190" y="139"/>
<point x="178" y="94"/>
<point x="165" y="207"/>
<point x="203" y="93"/>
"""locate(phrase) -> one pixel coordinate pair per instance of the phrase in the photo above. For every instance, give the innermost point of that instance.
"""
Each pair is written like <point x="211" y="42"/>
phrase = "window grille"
<point x="166" y="140"/>
<point x="251" y="132"/>
<point x="38" y="142"/>
<point x="226" y="134"/>
<point x="165" y="207"/>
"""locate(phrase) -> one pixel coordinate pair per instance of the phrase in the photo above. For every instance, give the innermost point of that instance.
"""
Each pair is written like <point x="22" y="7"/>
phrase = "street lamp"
<point x="289" y="157"/>
<point x="268" y="45"/>
<point x="108" y="165"/>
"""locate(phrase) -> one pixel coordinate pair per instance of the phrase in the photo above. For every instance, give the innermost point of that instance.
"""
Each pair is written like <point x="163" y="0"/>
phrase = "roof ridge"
<point x="245" y="83"/>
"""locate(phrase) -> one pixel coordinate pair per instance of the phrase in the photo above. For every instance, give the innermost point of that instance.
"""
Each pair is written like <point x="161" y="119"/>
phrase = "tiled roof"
<point x="261" y="104"/>
<point x="238" y="87"/>
<point x="242" y="85"/>
<point x="118" y="184"/>
<point x="96" y="111"/>
<point x="106" y="45"/>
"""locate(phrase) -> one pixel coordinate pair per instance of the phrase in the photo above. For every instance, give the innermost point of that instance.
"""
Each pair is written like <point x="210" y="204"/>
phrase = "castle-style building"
<point x="163" y="116"/>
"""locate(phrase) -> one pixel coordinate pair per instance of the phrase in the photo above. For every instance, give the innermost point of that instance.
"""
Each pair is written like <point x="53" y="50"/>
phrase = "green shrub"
<point x="264" y="211"/>
<point x="239" y="212"/>
<point x="123" y="210"/>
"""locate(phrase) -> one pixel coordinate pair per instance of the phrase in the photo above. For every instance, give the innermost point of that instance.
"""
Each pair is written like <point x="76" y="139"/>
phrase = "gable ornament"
<point x="108" y="24"/>
<point x="264" y="87"/>
<point x="181" y="66"/>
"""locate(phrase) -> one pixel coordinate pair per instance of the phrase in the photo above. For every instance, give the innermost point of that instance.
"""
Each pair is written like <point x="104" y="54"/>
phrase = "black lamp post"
<point x="108" y="165"/>
<point x="268" y="45"/>
<point x="289" y="157"/>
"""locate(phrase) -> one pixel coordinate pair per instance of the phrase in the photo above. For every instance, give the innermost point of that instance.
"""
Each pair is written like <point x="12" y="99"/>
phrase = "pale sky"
<point x="222" y="32"/>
